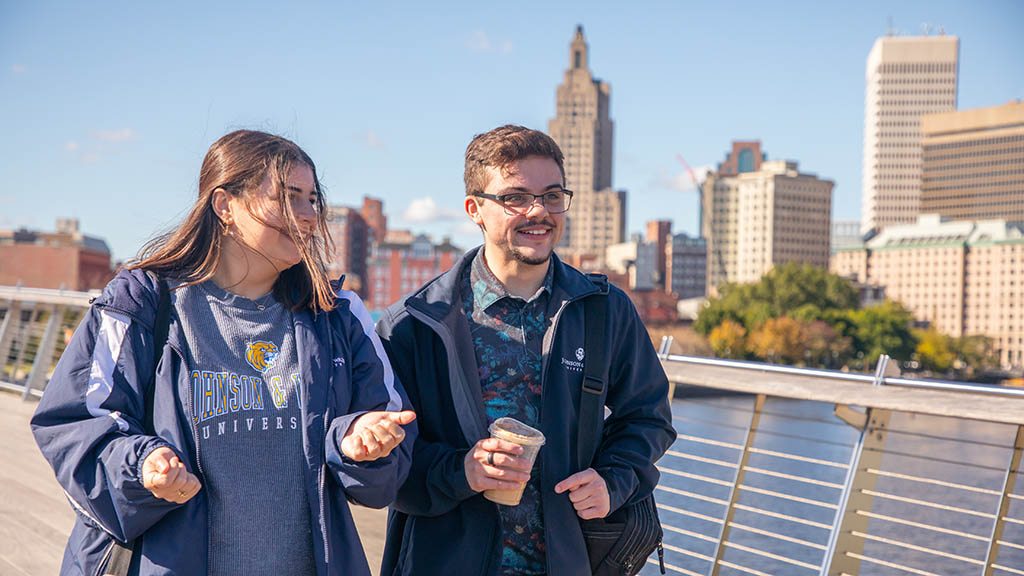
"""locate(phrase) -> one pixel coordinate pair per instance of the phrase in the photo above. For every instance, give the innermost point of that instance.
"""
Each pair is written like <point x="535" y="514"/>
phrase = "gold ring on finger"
<point x="182" y="493"/>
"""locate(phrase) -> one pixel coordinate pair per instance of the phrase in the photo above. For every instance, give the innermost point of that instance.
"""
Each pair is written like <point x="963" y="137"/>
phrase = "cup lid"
<point x="513" y="430"/>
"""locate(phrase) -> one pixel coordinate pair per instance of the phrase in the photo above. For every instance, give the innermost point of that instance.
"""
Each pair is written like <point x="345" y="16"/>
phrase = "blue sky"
<point x="107" y="108"/>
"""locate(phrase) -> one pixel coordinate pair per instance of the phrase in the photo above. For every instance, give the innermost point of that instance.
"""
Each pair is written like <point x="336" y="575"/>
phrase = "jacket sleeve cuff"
<point x="616" y="496"/>
<point x="147" y="449"/>
<point x="460" y="483"/>
<point x="343" y="424"/>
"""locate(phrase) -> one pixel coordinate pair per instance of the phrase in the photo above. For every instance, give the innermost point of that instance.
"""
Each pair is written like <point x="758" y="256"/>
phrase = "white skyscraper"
<point x="907" y="77"/>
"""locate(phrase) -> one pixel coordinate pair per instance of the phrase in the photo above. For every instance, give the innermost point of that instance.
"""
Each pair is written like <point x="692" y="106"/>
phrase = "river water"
<point x="923" y="458"/>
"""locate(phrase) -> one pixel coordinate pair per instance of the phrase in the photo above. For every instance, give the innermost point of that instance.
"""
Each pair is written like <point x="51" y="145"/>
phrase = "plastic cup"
<point x="531" y="439"/>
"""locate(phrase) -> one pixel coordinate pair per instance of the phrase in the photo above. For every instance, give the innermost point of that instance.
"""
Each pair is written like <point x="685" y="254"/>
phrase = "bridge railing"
<point x="778" y="470"/>
<point x="829" y="473"/>
<point x="35" y="326"/>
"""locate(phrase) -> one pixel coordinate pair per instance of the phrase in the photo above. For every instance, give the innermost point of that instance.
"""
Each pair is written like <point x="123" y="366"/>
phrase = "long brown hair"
<point x="238" y="163"/>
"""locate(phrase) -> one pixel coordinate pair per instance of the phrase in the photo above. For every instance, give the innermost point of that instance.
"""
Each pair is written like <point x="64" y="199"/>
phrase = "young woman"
<point x="272" y="402"/>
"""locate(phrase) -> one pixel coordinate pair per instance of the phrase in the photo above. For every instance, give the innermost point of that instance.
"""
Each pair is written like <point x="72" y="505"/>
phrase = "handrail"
<point x="974" y="402"/>
<point x="47" y="295"/>
<point x="849" y="376"/>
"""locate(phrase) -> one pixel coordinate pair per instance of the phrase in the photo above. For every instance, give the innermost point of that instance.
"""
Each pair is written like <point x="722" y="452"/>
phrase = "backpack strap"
<point x="590" y="423"/>
<point x="160" y="329"/>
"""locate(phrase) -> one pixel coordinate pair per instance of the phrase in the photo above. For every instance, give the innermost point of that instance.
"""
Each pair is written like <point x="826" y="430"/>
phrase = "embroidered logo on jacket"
<point x="261" y="355"/>
<point x="574" y="365"/>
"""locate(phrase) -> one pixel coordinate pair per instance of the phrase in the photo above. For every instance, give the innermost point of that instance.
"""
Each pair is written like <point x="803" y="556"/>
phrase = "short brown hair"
<point x="502" y="147"/>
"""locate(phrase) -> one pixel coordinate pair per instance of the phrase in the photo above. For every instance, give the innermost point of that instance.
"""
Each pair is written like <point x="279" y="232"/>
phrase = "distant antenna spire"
<point x="578" y="50"/>
<point x="890" y="32"/>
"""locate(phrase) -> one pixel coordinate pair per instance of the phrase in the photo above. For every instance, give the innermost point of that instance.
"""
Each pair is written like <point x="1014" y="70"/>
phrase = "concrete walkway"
<point x="35" y="517"/>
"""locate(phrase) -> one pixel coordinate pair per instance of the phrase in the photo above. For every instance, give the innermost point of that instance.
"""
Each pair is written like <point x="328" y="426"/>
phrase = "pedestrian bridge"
<point x="777" y="470"/>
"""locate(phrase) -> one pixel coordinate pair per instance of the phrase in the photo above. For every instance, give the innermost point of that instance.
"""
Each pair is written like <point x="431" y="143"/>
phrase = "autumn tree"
<point x="729" y="340"/>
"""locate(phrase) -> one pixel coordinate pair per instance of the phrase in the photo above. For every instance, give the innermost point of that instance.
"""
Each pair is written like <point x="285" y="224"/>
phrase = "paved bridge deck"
<point x="35" y="518"/>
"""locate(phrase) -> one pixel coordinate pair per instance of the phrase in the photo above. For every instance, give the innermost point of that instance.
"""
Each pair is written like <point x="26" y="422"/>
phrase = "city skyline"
<point x="110" y="111"/>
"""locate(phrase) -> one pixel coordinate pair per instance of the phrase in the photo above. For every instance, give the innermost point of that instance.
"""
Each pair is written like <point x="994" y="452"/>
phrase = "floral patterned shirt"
<point x="508" y="334"/>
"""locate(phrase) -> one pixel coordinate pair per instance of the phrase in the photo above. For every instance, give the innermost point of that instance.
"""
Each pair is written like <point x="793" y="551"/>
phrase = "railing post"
<point x="10" y="326"/>
<point x="663" y="351"/>
<point x="1009" y="481"/>
<point x="867" y="454"/>
<point x="734" y="494"/>
<point x="44" y="352"/>
<point x="24" y="335"/>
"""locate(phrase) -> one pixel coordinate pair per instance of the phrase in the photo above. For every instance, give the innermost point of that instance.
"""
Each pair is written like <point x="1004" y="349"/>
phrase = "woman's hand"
<point x="165" y="476"/>
<point x="375" y="434"/>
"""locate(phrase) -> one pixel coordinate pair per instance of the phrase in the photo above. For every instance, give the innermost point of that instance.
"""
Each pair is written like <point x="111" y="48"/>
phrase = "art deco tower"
<point x="583" y="129"/>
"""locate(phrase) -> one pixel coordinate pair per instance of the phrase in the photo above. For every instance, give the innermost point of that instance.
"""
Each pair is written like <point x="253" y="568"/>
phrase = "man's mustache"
<point x="544" y="222"/>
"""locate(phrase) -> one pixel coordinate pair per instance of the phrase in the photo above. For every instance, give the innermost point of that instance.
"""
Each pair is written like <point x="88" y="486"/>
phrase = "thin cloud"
<point x="681" y="180"/>
<point x="71" y="146"/>
<point x="480" y="41"/>
<point x="465" y="228"/>
<point x="19" y="68"/>
<point x="123" y="135"/>
<point x="426" y="210"/>
<point x="373" y="141"/>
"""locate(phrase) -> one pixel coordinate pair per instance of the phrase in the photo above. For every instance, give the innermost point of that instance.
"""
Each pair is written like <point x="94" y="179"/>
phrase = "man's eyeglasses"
<point x="517" y="203"/>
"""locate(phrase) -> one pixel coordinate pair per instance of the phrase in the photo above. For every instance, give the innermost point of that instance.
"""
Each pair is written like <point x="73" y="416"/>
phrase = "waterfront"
<point x="925" y="457"/>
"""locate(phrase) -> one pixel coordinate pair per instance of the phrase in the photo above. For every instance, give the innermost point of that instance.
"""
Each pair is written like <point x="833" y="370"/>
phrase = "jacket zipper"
<point x="105" y="560"/>
<point x="323" y="506"/>
<point x="199" y="464"/>
<point x="450" y="347"/>
<point x="546" y="354"/>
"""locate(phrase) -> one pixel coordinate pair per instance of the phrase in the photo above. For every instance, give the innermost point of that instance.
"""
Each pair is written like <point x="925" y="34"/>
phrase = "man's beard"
<point x="518" y="256"/>
<point x="514" y="253"/>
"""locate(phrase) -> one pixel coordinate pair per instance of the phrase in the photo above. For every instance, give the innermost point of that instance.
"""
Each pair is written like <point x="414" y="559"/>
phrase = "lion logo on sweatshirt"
<point x="261" y="355"/>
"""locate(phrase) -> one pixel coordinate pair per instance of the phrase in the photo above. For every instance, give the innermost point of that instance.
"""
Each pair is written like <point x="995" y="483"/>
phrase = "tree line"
<point x="803" y="315"/>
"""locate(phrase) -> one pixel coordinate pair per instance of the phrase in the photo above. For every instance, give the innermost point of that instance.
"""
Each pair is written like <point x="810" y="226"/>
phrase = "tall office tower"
<point x="582" y="128"/>
<point x="718" y="194"/>
<point x="906" y="79"/>
<point x="756" y="220"/>
<point x="973" y="163"/>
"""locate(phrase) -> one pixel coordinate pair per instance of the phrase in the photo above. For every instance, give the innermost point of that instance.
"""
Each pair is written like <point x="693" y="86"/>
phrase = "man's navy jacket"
<point x="438" y="524"/>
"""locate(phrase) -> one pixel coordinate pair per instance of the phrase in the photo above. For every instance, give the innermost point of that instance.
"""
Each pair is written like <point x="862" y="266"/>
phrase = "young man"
<point x="501" y="334"/>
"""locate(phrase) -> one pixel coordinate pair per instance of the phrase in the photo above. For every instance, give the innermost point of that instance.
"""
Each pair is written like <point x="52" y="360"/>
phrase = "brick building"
<point x="65" y="258"/>
<point x="402" y="263"/>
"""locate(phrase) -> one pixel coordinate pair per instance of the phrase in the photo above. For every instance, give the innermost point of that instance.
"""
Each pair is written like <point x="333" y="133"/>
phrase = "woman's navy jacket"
<point x="89" y="427"/>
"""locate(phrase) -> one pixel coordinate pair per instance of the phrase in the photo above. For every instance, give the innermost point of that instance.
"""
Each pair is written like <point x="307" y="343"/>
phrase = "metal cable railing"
<point x="788" y="481"/>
